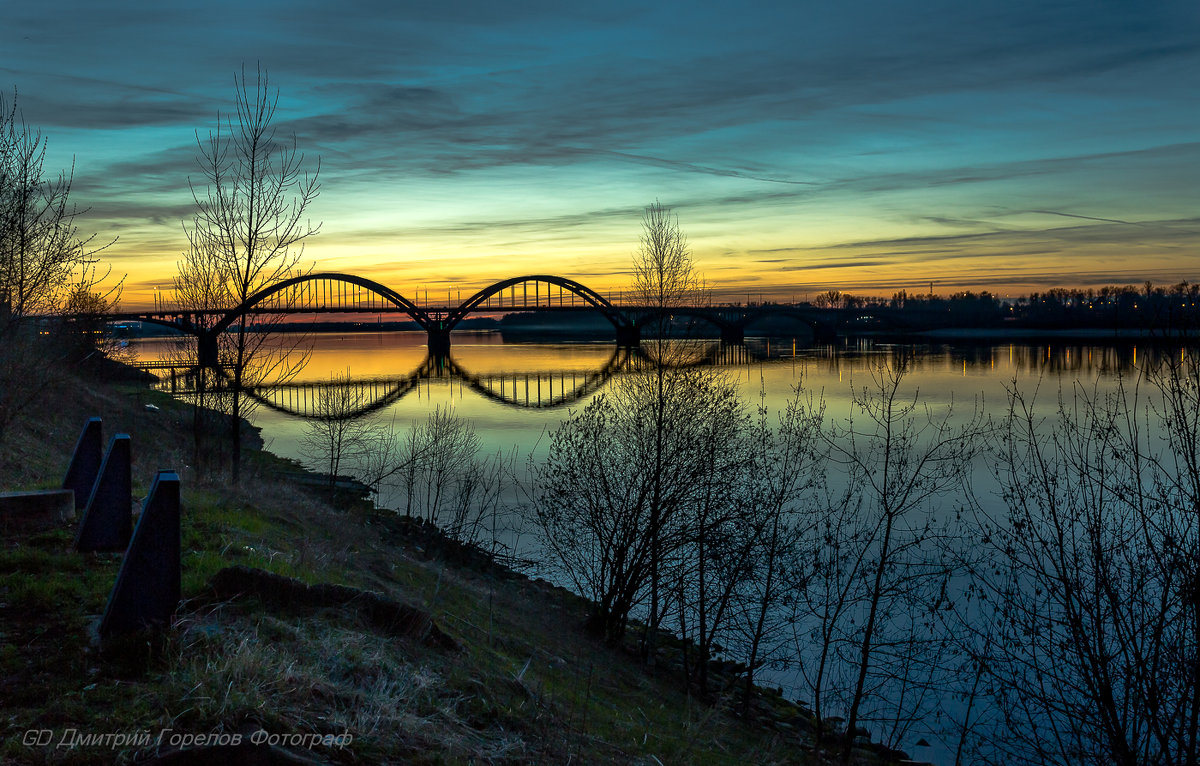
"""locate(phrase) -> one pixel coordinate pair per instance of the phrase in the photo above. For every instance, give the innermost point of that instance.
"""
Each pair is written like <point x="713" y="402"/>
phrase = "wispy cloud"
<point x="862" y="138"/>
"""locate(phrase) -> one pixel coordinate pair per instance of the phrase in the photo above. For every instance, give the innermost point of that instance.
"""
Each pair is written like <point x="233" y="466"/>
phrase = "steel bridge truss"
<point x="331" y="292"/>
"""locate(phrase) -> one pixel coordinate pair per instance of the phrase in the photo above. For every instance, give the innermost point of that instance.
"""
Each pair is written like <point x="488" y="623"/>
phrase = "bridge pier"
<point x="824" y="333"/>
<point x="733" y="335"/>
<point x="439" y="342"/>
<point x="207" y="348"/>
<point x="629" y="337"/>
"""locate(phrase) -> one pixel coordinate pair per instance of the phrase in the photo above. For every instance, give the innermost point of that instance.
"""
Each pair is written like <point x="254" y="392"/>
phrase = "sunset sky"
<point x="867" y="146"/>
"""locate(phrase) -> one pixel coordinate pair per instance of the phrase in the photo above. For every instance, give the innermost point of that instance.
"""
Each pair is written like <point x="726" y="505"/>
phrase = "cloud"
<point x="1086" y="217"/>
<point x="943" y="130"/>
<point x="1114" y="234"/>
<point x="856" y="264"/>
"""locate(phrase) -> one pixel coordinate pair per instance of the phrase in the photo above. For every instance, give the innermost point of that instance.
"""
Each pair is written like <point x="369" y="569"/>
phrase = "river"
<point x="513" y="394"/>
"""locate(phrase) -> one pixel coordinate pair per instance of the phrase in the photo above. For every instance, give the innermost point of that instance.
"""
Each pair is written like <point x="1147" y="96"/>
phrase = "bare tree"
<point x="785" y="480"/>
<point x="713" y="555"/>
<point x="621" y="478"/>
<point x="249" y="228"/>
<point x="200" y="288"/>
<point x="83" y="331"/>
<point x="46" y="266"/>
<point x="1088" y="610"/>
<point x="338" y="435"/>
<point x="43" y="257"/>
<point x="740" y="539"/>
<point x="438" y="455"/>
<point x="830" y="299"/>
<point x="868" y="607"/>
<point x="665" y="276"/>
<point x="434" y="471"/>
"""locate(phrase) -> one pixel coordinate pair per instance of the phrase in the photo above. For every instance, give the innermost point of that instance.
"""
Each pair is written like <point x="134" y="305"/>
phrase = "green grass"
<point x="527" y="686"/>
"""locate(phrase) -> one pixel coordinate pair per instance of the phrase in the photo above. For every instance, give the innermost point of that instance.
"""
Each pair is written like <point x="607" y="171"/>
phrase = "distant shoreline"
<point x="517" y="332"/>
<point x="1035" y="333"/>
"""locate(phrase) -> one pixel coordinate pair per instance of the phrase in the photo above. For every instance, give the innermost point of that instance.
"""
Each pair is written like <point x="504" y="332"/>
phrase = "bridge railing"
<point x="332" y="294"/>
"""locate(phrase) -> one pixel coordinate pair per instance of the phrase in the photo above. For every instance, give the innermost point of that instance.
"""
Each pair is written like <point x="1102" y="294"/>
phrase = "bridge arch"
<point x="619" y="321"/>
<point x="394" y="391"/>
<point x="729" y="330"/>
<point x="822" y="328"/>
<point x="391" y="296"/>
<point x="386" y="392"/>
<point x="583" y="384"/>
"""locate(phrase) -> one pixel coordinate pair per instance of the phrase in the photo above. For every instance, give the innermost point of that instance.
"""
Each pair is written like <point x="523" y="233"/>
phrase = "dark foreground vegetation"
<point x="515" y="680"/>
<point x="708" y="541"/>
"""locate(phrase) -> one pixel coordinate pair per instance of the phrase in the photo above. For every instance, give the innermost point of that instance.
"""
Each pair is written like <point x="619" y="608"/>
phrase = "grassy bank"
<point x="521" y="684"/>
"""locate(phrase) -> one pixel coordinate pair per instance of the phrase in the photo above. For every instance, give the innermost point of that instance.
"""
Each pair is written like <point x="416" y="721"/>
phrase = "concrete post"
<point x="85" y="463"/>
<point x="108" y="517"/>
<point x="733" y="335"/>
<point x="629" y="336"/>
<point x="147" y="589"/>
<point x="207" y="348"/>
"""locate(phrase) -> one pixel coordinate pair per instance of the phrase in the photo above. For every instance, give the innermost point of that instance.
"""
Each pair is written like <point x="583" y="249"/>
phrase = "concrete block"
<point x="85" y="463"/>
<point x="108" y="517"/>
<point x="35" y="510"/>
<point x="147" y="589"/>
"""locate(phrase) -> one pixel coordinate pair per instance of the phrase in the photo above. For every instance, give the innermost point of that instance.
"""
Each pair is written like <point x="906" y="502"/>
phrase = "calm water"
<point x="513" y="394"/>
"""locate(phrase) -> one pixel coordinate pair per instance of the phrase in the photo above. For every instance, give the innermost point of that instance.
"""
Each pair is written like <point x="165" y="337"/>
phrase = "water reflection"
<point x="513" y="393"/>
<point x="1013" y="359"/>
<point x="502" y="387"/>
<point x="554" y="387"/>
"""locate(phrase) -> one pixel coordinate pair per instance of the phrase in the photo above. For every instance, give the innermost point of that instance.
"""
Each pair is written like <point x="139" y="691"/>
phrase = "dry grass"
<point x="527" y="687"/>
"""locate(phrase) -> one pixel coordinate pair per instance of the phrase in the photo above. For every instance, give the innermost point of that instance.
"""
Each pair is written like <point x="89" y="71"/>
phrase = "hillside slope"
<point x="319" y="680"/>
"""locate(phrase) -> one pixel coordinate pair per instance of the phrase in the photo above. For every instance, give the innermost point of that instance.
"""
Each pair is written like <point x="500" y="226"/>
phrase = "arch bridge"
<point x="333" y="292"/>
<point x="528" y="389"/>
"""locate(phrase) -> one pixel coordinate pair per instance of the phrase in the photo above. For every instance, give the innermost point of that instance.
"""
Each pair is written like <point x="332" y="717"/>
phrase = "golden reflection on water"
<point x="384" y="354"/>
<point x="387" y="354"/>
<point x="503" y="388"/>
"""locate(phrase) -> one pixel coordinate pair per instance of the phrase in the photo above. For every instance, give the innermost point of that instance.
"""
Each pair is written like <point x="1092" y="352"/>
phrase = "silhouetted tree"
<point x="43" y="257"/>
<point x="200" y="288"/>
<point x="1088" y="600"/>
<point x="46" y="266"/>
<point x="779" y="504"/>
<point x="83" y="332"/>
<point x="337" y="434"/>
<point x="437" y="454"/>
<point x="830" y="299"/>
<point x="665" y="276"/>
<point x="622" y="477"/>
<point x="248" y="232"/>
<point x="867" y="601"/>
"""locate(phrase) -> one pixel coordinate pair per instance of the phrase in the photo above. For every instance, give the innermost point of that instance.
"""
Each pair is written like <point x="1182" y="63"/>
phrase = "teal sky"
<point x="869" y="147"/>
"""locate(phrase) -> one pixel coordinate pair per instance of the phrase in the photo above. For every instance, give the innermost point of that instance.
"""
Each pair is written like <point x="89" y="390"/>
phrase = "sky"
<point x="867" y="146"/>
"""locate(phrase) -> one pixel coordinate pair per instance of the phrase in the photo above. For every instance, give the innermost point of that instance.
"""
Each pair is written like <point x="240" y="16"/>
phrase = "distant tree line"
<point x="1168" y="308"/>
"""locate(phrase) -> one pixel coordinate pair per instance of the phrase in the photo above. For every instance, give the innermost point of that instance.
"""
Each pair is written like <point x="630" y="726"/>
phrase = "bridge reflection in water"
<point x="529" y="389"/>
